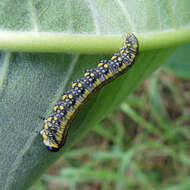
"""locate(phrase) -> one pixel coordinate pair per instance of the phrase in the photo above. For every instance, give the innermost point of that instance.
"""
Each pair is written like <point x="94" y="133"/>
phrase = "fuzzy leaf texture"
<point x="32" y="81"/>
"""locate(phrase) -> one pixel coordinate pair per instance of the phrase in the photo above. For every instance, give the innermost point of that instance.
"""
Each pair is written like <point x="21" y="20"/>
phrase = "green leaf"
<point x="179" y="62"/>
<point x="30" y="83"/>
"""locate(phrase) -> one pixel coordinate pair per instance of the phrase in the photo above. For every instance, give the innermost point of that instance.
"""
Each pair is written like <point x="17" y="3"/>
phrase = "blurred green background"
<point x="143" y="145"/>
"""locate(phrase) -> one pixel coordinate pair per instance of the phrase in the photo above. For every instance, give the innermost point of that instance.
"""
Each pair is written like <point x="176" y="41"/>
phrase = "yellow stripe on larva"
<point x="74" y="84"/>
<point x="46" y="126"/>
<point x="86" y="74"/>
<point x="119" y="59"/>
<point x="59" y="138"/>
<point x="49" y="118"/>
<point x="92" y="74"/>
<point x="60" y="132"/>
<point x="113" y="57"/>
<point x="105" y="65"/>
<point x="79" y="84"/>
<point x="63" y="97"/>
<point x="98" y="82"/>
<point x="63" y="124"/>
<point x="86" y="93"/>
<point x="61" y="107"/>
<point x="110" y="74"/>
<point x="45" y="137"/>
<point x="100" y="64"/>
<point x="69" y="114"/>
<point x="135" y="47"/>
<point x="123" y="67"/>
<point x="55" y="108"/>
<point x="54" y="145"/>
<point x="132" y="56"/>
<point x="77" y="104"/>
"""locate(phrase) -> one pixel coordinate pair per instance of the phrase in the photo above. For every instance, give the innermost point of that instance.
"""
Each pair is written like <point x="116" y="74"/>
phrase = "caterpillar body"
<point x="56" y="126"/>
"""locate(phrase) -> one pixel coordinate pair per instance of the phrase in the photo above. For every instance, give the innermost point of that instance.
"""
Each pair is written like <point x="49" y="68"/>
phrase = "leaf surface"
<point x="30" y="83"/>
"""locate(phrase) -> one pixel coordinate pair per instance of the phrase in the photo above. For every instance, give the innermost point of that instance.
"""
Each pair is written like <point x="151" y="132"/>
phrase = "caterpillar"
<point x="57" y="124"/>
